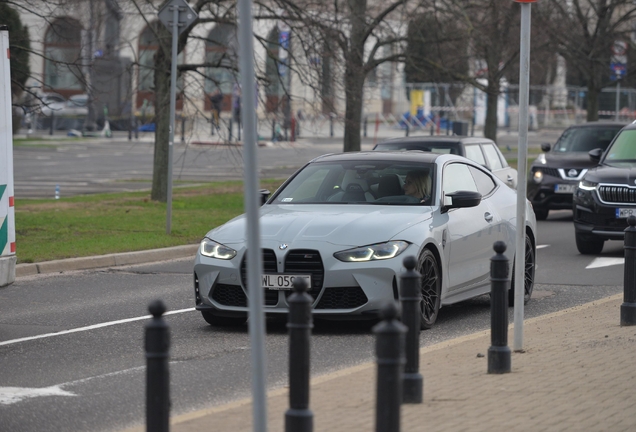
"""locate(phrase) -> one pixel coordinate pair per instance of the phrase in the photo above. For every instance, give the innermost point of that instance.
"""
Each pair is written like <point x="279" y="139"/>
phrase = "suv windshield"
<point x="624" y="148"/>
<point x="585" y="139"/>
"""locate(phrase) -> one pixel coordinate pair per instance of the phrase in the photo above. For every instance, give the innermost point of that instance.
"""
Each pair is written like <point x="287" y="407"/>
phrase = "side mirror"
<point x="545" y="147"/>
<point x="264" y="195"/>
<point x="595" y="155"/>
<point x="461" y="199"/>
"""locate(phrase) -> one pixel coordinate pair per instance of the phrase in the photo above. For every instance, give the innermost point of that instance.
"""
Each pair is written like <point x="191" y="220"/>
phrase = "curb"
<point x="110" y="260"/>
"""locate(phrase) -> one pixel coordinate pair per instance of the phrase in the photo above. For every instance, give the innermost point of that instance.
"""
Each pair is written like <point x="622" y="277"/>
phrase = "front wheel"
<point x="220" y="321"/>
<point x="588" y="245"/>
<point x="528" y="275"/>
<point x="431" y="287"/>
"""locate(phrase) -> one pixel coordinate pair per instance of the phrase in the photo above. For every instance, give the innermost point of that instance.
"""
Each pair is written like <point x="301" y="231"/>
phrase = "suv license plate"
<point x="622" y="213"/>
<point x="564" y="188"/>
<point x="282" y="281"/>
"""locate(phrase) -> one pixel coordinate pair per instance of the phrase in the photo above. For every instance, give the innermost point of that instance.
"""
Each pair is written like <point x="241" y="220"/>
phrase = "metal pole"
<point x="173" y="102"/>
<point x="411" y="298"/>
<point x="157" y="345"/>
<point x="499" y="353"/>
<point x="520" y="244"/>
<point x="618" y="97"/>
<point x="389" y="350"/>
<point x="299" y="417"/>
<point x="628" y="308"/>
<point x="252" y="204"/>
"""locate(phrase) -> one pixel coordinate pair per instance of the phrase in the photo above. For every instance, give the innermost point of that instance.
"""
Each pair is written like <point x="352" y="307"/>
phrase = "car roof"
<point x="631" y="126"/>
<point x="380" y="156"/>
<point x="426" y="139"/>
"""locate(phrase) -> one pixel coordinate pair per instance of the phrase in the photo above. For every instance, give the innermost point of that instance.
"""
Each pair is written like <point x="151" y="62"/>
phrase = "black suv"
<point x="606" y="196"/>
<point x="554" y="175"/>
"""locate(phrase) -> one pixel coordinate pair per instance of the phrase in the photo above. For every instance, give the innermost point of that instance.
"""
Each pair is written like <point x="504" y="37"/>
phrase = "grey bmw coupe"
<point x="345" y="222"/>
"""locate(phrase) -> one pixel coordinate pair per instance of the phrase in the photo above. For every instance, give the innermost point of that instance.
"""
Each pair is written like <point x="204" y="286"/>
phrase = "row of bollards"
<point x="397" y="344"/>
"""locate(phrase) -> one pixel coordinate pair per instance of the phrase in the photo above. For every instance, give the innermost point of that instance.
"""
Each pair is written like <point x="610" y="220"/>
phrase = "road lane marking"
<point x="605" y="262"/>
<point x="90" y="327"/>
<point x="542" y="246"/>
<point x="11" y="395"/>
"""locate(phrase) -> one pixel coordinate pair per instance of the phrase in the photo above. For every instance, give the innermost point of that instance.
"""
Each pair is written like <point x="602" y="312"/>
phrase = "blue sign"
<point x="618" y="71"/>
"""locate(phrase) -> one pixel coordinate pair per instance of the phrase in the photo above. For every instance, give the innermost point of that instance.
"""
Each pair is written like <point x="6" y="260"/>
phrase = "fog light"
<point x="538" y="176"/>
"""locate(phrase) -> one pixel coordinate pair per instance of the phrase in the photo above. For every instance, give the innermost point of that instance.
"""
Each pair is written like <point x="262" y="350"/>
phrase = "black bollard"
<point x="238" y="129"/>
<point x="432" y="129"/>
<point x="229" y="131"/>
<point x="389" y="349"/>
<point x="365" y="127"/>
<point x="411" y="298"/>
<point x="183" y="121"/>
<point x="136" y="128"/>
<point x="331" y="125"/>
<point x="628" y="308"/>
<point x="406" y="133"/>
<point x="157" y="374"/>
<point x="299" y="417"/>
<point x="499" y="353"/>
<point x="52" y="127"/>
<point x="273" y="130"/>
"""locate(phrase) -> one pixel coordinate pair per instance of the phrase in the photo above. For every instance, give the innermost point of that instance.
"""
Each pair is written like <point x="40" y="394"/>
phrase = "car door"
<point x="469" y="233"/>
<point x="498" y="165"/>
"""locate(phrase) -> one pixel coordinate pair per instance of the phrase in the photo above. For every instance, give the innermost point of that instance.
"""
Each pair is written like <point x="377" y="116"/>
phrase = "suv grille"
<point x="342" y="298"/>
<point x="269" y="266"/>
<point x="617" y="194"/>
<point x="306" y="261"/>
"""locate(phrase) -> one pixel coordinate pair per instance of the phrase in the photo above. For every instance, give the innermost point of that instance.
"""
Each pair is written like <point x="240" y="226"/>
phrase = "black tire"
<point x="588" y="245"/>
<point x="431" y="284"/>
<point x="220" y="321"/>
<point x="528" y="275"/>
<point x="541" y="214"/>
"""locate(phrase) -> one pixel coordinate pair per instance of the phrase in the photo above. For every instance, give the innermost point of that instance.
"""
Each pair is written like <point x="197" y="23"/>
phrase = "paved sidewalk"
<point x="576" y="374"/>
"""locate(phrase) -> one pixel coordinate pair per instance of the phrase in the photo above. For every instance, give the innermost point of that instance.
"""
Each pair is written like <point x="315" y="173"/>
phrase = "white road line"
<point x="605" y="262"/>
<point x="11" y="395"/>
<point x="91" y="327"/>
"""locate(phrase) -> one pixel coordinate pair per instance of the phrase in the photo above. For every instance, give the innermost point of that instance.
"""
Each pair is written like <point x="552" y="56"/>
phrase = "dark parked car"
<point x="554" y="175"/>
<point x="481" y="150"/>
<point x="606" y="196"/>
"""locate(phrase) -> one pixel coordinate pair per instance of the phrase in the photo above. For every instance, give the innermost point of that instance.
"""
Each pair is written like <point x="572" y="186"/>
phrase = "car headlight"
<point x="378" y="251"/>
<point x="212" y="249"/>
<point x="537" y="176"/>
<point x="587" y="185"/>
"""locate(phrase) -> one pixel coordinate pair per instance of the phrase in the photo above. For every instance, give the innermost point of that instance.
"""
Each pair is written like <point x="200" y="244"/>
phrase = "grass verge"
<point x="108" y="223"/>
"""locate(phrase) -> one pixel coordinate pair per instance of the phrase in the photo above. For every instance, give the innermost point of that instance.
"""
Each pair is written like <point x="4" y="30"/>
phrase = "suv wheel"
<point x="588" y="245"/>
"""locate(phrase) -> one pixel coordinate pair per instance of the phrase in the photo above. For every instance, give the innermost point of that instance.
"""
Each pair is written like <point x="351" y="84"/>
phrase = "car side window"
<point x="485" y="183"/>
<point x="473" y="152"/>
<point x="457" y="177"/>
<point x="492" y="155"/>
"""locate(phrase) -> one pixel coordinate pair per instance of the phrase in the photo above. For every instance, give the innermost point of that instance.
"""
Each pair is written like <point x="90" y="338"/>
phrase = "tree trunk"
<point x="592" y="102"/>
<point x="354" y="83"/>
<point x="492" y="96"/>
<point x="162" y="122"/>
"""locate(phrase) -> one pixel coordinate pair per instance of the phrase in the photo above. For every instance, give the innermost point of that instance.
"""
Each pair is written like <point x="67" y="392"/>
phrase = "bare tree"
<point x="584" y="32"/>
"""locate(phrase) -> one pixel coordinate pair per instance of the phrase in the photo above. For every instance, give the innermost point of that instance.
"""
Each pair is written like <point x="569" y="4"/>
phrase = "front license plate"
<point x="622" y="213"/>
<point x="283" y="281"/>
<point x="564" y="188"/>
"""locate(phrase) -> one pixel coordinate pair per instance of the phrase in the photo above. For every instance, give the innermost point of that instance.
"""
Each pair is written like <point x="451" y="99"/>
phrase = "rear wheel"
<point x="431" y="286"/>
<point x="220" y="321"/>
<point x="528" y="275"/>
<point x="541" y="214"/>
<point x="588" y="245"/>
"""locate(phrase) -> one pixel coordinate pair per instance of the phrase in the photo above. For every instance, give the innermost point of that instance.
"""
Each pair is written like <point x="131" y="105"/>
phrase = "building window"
<point x="62" y="53"/>
<point x="274" y="89"/>
<point x="221" y="52"/>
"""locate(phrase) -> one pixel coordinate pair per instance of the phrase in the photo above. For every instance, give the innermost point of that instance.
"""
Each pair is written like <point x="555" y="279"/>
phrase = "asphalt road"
<point x="93" y="378"/>
<point x="113" y="165"/>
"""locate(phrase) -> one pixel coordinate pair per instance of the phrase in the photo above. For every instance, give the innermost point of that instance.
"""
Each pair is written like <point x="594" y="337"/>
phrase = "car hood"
<point x="344" y="224"/>
<point x="569" y="160"/>
<point x="618" y="173"/>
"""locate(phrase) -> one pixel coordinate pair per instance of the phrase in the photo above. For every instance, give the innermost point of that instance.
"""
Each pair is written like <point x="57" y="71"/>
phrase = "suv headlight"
<point x="537" y="176"/>
<point x="212" y="249"/>
<point x="587" y="185"/>
<point x="378" y="251"/>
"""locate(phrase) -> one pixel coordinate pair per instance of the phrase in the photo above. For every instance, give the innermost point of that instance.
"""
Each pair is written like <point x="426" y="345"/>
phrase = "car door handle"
<point x="509" y="178"/>
<point x="488" y="217"/>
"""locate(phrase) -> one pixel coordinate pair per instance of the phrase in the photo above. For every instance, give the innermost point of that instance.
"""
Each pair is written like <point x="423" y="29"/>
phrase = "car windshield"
<point x="585" y="139"/>
<point x="432" y="147"/>
<point x="623" y="149"/>
<point x="360" y="182"/>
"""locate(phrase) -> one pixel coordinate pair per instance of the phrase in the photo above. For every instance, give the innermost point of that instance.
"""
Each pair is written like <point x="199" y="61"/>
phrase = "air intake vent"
<point x="269" y="266"/>
<point x="342" y="298"/>
<point x="306" y="261"/>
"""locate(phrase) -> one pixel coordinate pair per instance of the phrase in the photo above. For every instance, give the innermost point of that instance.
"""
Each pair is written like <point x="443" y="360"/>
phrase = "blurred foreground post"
<point x="389" y="349"/>
<point x="157" y="373"/>
<point x="299" y="417"/>
<point x="628" y="308"/>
